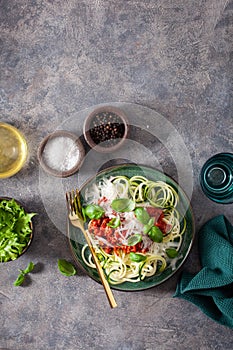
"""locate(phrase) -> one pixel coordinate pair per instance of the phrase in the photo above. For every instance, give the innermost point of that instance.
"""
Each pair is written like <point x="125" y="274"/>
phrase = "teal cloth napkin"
<point x="211" y="289"/>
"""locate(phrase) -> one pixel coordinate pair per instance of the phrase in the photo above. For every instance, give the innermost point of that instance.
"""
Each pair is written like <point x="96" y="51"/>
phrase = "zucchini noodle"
<point x="157" y="197"/>
<point x="119" y="268"/>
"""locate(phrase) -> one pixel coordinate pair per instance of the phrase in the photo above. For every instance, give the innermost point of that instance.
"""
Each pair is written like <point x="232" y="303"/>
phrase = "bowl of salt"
<point x="61" y="153"/>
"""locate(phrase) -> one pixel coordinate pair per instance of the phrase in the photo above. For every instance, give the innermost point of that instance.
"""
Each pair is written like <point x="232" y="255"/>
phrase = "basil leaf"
<point x="94" y="211"/>
<point x="133" y="240"/>
<point x="156" y="234"/>
<point x="114" y="222"/>
<point x="171" y="252"/>
<point x="29" y="268"/>
<point x="142" y="215"/>
<point x="66" y="268"/>
<point x="148" y="226"/>
<point x="137" y="257"/>
<point x="19" y="280"/>
<point x="123" y="205"/>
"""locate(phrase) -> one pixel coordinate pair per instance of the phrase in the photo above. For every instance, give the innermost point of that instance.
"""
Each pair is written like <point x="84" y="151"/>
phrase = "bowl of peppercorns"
<point x="105" y="129"/>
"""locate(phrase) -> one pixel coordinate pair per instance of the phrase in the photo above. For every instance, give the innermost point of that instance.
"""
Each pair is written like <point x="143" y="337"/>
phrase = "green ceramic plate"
<point x="77" y="240"/>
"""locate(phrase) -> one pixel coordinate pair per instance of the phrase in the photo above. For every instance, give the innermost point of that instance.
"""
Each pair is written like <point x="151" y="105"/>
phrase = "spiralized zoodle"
<point x="138" y="232"/>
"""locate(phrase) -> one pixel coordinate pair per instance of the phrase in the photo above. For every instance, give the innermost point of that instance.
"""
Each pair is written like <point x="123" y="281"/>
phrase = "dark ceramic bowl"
<point x="77" y="240"/>
<point x="30" y="238"/>
<point x="61" y="153"/>
<point x="105" y="129"/>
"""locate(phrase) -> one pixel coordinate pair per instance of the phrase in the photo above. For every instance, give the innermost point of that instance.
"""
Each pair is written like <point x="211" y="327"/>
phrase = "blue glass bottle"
<point x="216" y="178"/>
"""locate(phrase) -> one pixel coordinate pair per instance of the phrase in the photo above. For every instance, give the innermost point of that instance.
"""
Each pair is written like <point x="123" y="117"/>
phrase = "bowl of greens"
<point x="16" y="229"/>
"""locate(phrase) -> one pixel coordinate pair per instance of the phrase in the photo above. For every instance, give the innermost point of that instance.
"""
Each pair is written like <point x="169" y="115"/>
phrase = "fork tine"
<point x="78" y="200"/>
<point x="72" y="201"/>
<point x="76" y="209"/>
<point x="79" y="205"/>
<point x="69" y="202"/>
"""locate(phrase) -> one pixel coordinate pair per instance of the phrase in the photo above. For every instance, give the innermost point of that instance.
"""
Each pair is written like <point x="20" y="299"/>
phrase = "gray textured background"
<point x="59" y="58"/>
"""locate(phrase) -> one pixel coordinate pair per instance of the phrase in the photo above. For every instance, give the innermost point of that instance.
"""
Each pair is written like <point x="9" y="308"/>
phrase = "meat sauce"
<point x="100" y="228"/>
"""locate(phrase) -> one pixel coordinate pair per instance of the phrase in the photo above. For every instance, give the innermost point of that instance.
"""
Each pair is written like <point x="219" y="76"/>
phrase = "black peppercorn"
<point x="107" y="127"/>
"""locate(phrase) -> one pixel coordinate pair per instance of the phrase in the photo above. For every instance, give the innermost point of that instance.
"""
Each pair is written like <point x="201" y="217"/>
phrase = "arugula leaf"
<point x="15" y="229"/>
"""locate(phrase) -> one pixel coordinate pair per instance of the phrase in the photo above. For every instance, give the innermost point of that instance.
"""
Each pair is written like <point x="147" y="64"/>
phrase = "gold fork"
<point x="76" y="219"/>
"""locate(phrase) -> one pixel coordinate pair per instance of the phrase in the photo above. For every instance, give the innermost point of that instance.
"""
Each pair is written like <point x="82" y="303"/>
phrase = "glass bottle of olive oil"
<point x="13" y="150"/>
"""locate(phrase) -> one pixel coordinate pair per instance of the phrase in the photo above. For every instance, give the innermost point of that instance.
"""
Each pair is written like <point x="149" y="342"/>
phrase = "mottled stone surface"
<point x="59" y="58"/>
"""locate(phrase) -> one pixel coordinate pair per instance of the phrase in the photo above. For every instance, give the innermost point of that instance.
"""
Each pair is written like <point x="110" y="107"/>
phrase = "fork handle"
<point x="105" y="283"/>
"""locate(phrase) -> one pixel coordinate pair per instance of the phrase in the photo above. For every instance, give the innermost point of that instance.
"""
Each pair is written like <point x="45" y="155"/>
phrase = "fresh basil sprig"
<point x="21" y="277"/>
<point x="123" y="205"/>
<point x="94" y="211"/>
<point x="66" y="268"/>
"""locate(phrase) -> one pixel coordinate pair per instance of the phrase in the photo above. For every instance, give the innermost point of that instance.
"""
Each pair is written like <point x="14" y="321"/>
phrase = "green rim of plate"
<point x="76" y="239"/>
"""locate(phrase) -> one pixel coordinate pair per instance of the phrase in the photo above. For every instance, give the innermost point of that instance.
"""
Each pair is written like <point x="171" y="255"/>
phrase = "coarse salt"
<point x="61" y="153"/>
